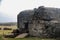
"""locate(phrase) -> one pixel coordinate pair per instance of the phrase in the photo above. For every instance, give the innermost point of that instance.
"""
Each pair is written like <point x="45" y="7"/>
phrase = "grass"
<point x="4" y="32"/>
<point x="30" y="38"/>
<point x="1" y="37"/>
<point x="13" y="27"/>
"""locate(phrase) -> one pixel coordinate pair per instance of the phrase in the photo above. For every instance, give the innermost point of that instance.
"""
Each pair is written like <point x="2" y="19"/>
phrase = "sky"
<point x="9" y="9"/>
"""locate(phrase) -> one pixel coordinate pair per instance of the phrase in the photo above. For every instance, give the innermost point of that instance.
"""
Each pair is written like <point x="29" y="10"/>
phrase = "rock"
<point x="23" y="35"/>
<point x="40" y="22"/>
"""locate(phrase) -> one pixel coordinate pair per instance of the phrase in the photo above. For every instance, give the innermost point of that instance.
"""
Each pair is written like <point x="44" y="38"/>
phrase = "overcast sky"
<point x="9" y="9"/>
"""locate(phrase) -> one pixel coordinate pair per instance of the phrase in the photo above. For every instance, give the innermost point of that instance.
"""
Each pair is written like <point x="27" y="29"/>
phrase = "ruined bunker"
<point x="40" y="22"/>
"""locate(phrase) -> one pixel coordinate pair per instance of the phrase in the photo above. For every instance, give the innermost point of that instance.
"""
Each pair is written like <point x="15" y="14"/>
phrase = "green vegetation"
<point x="31" y="38"/>
<point x="5" y="32"/>
<point x="1" y="38"/>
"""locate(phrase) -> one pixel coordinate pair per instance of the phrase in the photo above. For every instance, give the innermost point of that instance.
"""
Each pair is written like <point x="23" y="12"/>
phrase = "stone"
<point x="23" y="35"/>
<point x="40" y="22"/>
